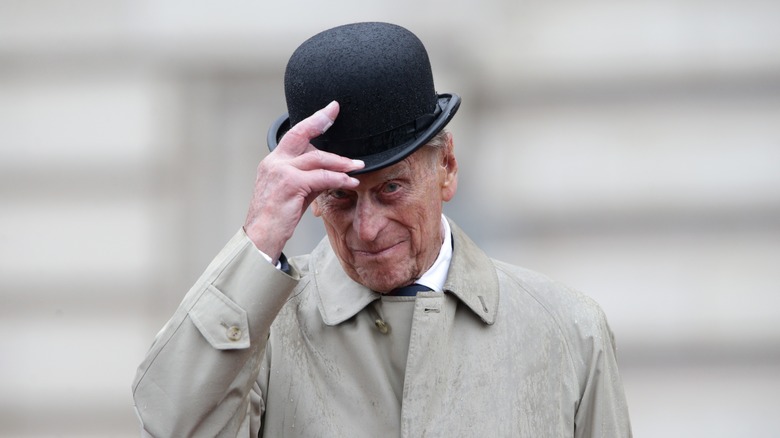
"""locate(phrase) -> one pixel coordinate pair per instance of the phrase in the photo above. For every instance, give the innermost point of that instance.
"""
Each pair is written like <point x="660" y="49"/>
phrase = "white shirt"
<point x="435" y="276"/>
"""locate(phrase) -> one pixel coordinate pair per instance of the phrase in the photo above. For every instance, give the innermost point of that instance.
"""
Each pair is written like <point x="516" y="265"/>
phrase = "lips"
<point x="375" y="252"/>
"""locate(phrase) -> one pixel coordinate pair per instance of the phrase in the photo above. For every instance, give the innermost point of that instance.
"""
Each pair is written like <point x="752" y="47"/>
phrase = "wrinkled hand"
<point x="289" y="179"/>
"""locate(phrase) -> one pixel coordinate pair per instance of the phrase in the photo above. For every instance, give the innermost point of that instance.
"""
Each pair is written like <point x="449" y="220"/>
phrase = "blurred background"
<point x="631" y="150"/>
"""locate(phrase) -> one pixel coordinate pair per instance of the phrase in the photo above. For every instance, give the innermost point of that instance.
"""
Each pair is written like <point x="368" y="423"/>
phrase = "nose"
<point x="369" y="219"/>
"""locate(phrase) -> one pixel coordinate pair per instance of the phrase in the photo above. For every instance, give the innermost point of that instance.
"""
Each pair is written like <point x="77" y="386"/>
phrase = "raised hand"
<point x="289" y="179"/>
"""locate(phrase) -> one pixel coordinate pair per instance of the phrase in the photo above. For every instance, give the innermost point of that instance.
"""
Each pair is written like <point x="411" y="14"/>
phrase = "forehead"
<point x="409" y="167"/>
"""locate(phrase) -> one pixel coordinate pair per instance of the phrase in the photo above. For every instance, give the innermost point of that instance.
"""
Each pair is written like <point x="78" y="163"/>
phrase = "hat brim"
<point x="449" y="104"/>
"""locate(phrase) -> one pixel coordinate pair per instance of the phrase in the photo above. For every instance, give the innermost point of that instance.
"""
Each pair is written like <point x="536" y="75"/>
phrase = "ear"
<point x="449" y="164"/>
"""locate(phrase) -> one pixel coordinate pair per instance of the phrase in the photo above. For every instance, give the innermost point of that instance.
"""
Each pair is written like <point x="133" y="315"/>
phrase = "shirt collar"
<point x="469" y="275"/>
<point x="436" y="275"/>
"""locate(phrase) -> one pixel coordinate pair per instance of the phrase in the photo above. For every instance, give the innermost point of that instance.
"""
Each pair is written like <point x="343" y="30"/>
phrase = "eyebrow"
<point x="405" y="167"/>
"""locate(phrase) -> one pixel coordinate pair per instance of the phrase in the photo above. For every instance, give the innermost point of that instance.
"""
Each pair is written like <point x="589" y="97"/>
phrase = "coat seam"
<point x="555" y="319"/>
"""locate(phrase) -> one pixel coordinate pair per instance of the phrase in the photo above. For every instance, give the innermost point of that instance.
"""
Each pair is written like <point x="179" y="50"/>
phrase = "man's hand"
<point x="289" y="179"/>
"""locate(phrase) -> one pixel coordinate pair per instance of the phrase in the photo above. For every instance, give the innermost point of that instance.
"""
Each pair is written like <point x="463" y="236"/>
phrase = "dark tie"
<point x="409" y="291"/>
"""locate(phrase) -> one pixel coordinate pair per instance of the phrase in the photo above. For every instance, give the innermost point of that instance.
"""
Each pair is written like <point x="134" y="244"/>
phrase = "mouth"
<point x="376" y="252"/>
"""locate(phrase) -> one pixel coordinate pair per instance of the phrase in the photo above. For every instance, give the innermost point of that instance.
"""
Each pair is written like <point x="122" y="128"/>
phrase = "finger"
<point x="317" y="159"/>
<point x="296" y="140"/>
<point x="319" y="180"/>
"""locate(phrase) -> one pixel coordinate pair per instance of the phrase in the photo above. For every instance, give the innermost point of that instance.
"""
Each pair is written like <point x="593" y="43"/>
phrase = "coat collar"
<point x="472" y="276"/>
<point x="472" y="279"/>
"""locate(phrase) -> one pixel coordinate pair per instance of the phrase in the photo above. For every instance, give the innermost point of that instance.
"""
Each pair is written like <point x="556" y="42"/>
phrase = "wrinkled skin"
<point x="387" y="231"/>
<point x="289" y="179"/>
<point x="385" y="226"/>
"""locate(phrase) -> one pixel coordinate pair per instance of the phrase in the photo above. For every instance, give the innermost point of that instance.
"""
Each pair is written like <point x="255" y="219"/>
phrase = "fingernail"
<point x="358" y="163"/>
<point x="327" y="109"/>
<point x="354" y="181"/>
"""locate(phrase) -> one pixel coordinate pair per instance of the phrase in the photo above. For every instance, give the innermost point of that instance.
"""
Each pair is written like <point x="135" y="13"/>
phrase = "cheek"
<point x="427" y="221"/>
<point x="422" y="225"/>
<point x="334" y="216"/>
<point x="337" y="223"/>
<point x="332" y="227"/>
<point x="336" y="226"/>
<point x="338" y="243"/>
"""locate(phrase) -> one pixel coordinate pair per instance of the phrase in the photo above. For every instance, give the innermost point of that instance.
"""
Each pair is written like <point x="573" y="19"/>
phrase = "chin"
<point x="381" y="281"/>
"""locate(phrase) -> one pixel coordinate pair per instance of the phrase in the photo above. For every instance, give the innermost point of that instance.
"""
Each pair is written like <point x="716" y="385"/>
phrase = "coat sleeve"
<point x="602" y="411"/>
<point x="200" y="376"/>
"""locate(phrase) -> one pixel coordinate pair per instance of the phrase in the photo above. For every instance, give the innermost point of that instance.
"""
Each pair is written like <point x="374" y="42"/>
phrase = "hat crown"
<point x="378" y="72"/>
<point x="381" y="76"/>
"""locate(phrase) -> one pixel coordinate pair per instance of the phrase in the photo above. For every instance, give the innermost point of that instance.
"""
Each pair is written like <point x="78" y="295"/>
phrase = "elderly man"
<point x="397" y="324"/>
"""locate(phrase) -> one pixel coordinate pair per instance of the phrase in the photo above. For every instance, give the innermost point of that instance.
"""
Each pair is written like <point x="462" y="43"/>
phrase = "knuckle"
<point x="276" y="173"/>
<point x="293" y="135"/>
<point x="302" y="132"/>
<point x="320" y="156"/>
<point x="285" y="176"/>
<point x="326" y="177"/>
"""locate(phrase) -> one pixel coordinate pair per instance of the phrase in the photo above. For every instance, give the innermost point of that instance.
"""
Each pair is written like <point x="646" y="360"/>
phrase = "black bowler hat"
<point x="381" y="76"/>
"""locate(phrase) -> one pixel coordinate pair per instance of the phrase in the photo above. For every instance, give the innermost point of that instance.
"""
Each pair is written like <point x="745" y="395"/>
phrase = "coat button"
<point x="382" y="326"/>
<point x="234" y="333"/>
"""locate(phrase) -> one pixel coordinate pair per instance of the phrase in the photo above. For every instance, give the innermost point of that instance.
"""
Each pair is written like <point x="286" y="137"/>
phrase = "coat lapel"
<point x="472" y="277"/>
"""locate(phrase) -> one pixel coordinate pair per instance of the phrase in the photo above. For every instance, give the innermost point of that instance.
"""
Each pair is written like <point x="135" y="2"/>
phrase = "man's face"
<point x="387" y="232"/>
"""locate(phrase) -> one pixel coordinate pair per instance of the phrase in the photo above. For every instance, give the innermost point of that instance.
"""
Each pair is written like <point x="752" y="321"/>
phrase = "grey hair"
<point x="437" y="144"/>
<point x="439" y="140"/>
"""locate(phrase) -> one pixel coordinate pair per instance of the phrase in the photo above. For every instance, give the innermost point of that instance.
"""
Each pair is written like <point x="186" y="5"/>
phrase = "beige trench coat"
<point x="504" y="352"/>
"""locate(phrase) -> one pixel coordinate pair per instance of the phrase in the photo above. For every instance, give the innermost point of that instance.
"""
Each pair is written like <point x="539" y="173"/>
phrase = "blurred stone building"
<point x="631" y="150"/>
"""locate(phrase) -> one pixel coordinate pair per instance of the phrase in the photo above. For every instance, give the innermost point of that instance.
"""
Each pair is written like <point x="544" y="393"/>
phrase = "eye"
<point x="391" y="187"/>
<point x="338" y="194"/>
